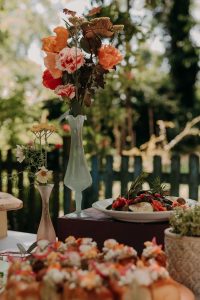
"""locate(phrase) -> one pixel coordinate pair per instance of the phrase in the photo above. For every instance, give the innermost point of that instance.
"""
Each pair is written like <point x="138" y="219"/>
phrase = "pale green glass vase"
<point x="77" y="176"/>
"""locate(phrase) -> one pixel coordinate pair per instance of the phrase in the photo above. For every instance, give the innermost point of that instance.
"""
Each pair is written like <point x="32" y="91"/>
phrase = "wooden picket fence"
<point x="103" y="174"/>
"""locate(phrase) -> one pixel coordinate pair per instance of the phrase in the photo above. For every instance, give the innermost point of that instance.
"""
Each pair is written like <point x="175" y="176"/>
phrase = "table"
<point x="14" y="237"/>
<point x="93" y="223"/>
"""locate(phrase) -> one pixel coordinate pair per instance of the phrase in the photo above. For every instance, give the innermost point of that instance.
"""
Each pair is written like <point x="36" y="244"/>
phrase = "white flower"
<point x="20" y="154"/>
<point x="43" y="175"/>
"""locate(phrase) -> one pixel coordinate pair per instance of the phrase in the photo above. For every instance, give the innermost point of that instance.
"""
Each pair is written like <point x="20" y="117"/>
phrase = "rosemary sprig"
<point x="136" y="185"/>
<point x="157" y="186"/>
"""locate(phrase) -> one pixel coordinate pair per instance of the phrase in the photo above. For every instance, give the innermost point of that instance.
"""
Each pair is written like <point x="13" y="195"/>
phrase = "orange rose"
<point x="50" y="64"/>
<point x="56" y="43"/>
<point x="109" y="56"/>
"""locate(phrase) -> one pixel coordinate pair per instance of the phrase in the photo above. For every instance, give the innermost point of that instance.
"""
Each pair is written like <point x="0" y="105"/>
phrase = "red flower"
<point x="58" y="146"/>
<point x="66" y="128"/>
<point x="50" y="82"/>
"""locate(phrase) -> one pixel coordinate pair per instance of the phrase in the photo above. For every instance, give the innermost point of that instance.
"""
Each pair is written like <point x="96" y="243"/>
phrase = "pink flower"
<point x="66" y="60"/>
<point x="66" y="91"/>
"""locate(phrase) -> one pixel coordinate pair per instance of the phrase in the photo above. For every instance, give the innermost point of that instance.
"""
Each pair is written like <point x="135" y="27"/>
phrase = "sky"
<point x="78" y="5"/>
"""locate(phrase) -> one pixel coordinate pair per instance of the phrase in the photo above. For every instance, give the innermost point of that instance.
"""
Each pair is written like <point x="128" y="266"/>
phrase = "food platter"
<point x="137" y="217"/>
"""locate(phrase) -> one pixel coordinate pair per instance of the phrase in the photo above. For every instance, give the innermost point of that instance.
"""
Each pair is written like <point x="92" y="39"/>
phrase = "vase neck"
<point x="45" y="192"/>
<point x="76" y="122"/>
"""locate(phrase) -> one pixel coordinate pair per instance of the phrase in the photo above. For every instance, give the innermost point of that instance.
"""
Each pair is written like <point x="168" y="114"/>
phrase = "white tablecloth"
<point x="14" y="237"/>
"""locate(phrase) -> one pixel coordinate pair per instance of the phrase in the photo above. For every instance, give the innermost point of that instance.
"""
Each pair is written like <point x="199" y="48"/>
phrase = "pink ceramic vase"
<point x="46" y="230"/>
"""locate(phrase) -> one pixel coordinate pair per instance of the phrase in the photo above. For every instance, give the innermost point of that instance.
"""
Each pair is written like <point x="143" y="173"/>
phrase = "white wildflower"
<point x="43" y="175"/>
<point x="20" y="153"/>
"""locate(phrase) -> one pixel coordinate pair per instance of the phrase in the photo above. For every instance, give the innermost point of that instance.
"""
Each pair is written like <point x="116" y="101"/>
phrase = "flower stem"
<point x="46" y="143"/>
<point x="76" y="74"/>
<point x="41" y="154"/>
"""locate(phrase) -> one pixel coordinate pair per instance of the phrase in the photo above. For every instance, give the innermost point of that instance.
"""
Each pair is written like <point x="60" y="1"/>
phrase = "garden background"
<point x="147" y="116"/>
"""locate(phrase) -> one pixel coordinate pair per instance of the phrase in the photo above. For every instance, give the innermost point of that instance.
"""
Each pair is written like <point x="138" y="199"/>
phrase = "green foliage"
<point x="176" y="21"/>
<point x="20" y="88"/>
<point x="146" y="83"/>
<point x="140" y="86"/>
<point x="15" y="116"/>
<point x="2" y="4"/>
<point x="186" y="221"/>
<point x="183" y="56"/>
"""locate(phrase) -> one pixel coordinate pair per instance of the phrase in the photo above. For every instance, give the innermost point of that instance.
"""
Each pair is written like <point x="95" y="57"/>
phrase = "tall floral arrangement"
<point x="79" y="56"/>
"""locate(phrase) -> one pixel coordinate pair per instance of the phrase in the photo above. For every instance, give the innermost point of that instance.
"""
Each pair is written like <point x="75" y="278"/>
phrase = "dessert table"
<point x="93" y="223"/>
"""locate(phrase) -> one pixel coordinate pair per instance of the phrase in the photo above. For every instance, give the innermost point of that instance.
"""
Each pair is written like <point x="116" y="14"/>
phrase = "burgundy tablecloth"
<point x="92" y="223"/>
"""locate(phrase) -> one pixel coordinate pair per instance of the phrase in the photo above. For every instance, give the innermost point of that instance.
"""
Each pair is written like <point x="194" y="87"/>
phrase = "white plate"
<point x="138" y="217"/>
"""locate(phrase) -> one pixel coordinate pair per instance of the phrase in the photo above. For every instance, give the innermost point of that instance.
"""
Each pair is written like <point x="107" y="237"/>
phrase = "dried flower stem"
<point x="76" y="74"/>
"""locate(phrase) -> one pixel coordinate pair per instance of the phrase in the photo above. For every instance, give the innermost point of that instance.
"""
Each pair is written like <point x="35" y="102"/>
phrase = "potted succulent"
<point x="182" y="246"/>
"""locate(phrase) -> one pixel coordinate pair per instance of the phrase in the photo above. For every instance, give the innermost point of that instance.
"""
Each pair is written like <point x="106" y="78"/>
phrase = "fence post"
<point x="193" y="176"/>
<point x="67" y="194"/>
<point x="21" y="219"/>
<point x="175" y="175"/>
<point x="91" y="194"/>
<point x="32" y="217"/>
<point x="137" y="166"/>
<point x="11" y="214"/>
<point x="157" y="166"/>
<point x="95" y="175"/>
<point x="55" y="199"/>
<point x="124" y="174"/>
<point x="9" y="170"/>
<point x="108" y="176"/>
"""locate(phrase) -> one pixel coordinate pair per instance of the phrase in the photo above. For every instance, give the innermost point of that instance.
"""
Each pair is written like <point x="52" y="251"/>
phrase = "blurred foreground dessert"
<point x="77" y="269"/>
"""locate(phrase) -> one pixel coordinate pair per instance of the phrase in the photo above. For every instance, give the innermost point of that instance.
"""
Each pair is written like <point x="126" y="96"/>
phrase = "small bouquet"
<point x="35" y="154"/>
<point x="78" y="58"/>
